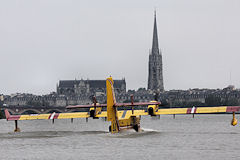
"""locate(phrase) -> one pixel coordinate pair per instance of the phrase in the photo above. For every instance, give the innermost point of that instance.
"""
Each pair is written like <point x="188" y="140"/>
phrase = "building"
<point x="155" y="69"/>
<point x="88" y="87"/>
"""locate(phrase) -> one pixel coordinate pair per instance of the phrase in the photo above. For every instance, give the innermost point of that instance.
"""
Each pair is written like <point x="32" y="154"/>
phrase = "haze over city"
<point x="43" y="42"/>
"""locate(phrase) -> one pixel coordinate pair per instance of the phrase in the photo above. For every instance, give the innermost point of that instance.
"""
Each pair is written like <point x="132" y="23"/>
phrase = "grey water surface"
<point x="204" y="137"/>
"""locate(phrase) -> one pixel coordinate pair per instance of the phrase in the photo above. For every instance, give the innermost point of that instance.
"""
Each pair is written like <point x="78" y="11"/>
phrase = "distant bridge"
<point x="36" y="110"/>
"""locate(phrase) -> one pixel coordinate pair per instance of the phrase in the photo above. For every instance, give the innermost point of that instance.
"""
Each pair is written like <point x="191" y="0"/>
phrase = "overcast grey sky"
<point x="44" y="41"/>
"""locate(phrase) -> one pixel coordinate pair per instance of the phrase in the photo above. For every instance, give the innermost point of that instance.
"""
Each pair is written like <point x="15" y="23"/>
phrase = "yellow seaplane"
<point x="122" y="119"/>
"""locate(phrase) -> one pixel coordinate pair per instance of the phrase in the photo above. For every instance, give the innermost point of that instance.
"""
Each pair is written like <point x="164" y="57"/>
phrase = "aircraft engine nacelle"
<point x="93" y="111"/>
<point x="152" y="109"/>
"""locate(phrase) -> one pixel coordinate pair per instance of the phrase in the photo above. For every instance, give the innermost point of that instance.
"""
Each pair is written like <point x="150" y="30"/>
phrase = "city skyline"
<point x="43" y="42"/>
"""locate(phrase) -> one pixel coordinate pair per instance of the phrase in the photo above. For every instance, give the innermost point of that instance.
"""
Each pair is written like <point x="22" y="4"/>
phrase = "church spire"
<point x="155" y="69"/>
<point x="155" y="49"/>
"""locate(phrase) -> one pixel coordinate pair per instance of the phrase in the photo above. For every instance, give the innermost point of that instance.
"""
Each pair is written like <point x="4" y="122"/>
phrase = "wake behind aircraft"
<point x="122" y="119"/>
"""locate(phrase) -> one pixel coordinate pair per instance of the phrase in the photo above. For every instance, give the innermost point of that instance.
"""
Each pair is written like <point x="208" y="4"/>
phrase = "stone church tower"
<point x="155" y="70"/>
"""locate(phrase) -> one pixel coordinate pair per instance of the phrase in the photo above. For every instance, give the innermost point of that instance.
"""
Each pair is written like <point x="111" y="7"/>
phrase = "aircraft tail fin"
<point x="111" y="115"/>
<point x="111" y="108"/>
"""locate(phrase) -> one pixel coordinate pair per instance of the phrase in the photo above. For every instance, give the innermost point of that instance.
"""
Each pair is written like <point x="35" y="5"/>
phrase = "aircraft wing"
<point x="220" y="109"/>
<point x="46" y="116"/>
<point x="102" y="114"/>
<point x="193" y="110"/>
<point x="86" y="106"/>
<point x="136" y="104"/>
<point x="125" y="114"/>
<point x="116" y="104"/>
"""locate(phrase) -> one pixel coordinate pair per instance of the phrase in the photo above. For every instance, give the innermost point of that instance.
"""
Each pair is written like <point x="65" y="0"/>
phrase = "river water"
<point x="204" y="137"/>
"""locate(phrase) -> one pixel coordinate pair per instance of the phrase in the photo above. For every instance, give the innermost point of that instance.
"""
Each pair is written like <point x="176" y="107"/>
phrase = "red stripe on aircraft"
<point x="53" y="116"/>
<point x="189" y="110"/>
<point x="233" y="108"/>
<point x="56" y="116"/>
<point x="195" y="110"/>
<point x="14" y="117"/>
